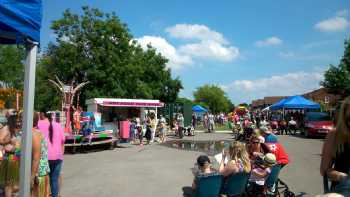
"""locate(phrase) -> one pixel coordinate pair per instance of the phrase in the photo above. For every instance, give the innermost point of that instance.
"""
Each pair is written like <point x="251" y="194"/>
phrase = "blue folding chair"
<point x="236" y="184"/>
<point x="208" y="185"/>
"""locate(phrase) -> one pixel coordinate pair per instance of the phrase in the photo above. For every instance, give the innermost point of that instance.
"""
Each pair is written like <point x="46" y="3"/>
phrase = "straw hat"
<point x="270" y="159"/>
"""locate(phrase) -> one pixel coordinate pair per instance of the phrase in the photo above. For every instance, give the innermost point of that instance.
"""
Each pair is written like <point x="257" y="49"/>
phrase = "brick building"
<point x="324" y="98"/>
<point x="329" y="101"/>
<point x="265" y="102"/>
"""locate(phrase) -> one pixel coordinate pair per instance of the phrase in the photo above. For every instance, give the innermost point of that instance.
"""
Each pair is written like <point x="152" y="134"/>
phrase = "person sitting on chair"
<point x="238" y="160"/>
<point x="204" y="168"/>
<point x="268" y="135"/>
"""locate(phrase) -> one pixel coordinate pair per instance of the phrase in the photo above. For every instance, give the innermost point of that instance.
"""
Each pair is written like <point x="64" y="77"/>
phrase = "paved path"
<point x="156" y="170"/>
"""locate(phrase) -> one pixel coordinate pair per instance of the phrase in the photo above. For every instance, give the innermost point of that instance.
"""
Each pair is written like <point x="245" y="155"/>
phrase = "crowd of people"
<point x="259" y="152"/>
<point x="47" y="155"/>
<point x="254" y="157"/>
<point x="149" y="128"/>
<point x="256" y="154"/>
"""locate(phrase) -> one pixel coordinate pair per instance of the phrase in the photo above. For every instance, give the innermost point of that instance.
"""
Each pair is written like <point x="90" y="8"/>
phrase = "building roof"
<point x="269" y="100"/>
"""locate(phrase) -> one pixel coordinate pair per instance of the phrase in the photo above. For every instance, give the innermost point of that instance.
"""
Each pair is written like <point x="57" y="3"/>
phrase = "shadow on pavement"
<point x="187" y="191"/>
<point x="301" y="194"/>
<point x="300" y="135"/>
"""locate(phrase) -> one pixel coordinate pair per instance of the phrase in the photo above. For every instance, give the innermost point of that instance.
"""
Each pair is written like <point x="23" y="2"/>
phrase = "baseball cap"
<point x="265" y="130"/>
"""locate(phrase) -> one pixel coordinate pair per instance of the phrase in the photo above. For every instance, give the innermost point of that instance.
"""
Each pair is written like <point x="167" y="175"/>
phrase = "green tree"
<point x="214" y="97"/>
<point x="337" y="78"/>
<point x="11" y="66"/>
<point x="184" y="100"/>
<point x="98" y="47"/>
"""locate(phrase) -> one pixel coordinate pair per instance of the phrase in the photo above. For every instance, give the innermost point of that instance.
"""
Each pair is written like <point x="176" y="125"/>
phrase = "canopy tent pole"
<point x="26" y="152"/>
<point x="156" y="115"/>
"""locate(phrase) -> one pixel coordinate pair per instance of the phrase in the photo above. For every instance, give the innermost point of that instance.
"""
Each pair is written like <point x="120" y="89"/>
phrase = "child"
<point x="162" y="128"/>
<point x="9" y="161"/>
<point x="133" y="131"/>
<point x="260" y="172"/>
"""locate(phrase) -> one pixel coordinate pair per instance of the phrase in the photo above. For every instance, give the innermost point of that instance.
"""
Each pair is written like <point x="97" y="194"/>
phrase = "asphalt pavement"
<point x="157" y="170"/>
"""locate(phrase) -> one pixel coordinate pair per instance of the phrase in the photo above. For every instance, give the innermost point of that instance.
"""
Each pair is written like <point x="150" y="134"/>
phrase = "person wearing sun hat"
<point x="271" y="142"/>
<point x="270" y="159"/>
<point x="268" y="135"/>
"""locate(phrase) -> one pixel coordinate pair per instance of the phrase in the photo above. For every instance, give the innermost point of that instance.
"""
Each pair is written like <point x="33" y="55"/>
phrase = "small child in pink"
<point x="261" y="170"/>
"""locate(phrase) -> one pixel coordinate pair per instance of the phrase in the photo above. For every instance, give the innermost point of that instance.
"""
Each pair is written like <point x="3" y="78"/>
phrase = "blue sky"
<point x="250" y="48"/>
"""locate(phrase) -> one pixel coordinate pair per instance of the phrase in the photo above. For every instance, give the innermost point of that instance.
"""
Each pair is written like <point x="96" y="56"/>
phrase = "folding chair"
<point x="208" y="185"/>
<point x="236" y="184"/>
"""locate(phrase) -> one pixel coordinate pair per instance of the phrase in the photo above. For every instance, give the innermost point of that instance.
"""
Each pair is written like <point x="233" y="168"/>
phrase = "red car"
<point x="317" y="124"/>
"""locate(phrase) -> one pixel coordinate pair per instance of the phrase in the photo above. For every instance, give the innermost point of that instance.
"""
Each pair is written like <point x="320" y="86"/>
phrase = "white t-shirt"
<point x="264" y="123"/>
<point x="292" y="122"/>
<point x="259" y="180"/>
<point x="211" y="118"/>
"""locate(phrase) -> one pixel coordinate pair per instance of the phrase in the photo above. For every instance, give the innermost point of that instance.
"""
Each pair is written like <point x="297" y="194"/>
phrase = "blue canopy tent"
<point x="198" y="108"/>
<point x="275" y="105"/>
<point x="295" y="102"/>
<point x="20" y="24"/>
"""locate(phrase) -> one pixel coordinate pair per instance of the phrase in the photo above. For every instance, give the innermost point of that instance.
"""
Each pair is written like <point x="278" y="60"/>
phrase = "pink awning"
<point x="131" y="104"/>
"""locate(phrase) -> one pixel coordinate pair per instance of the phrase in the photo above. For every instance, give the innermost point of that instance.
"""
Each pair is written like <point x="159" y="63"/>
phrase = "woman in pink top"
<point x="54" y="135"/>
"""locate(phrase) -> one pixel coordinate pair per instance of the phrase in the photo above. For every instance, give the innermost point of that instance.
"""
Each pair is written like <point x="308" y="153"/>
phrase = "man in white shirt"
<point x="292" y="125"/>
<point x="211" y="122"/>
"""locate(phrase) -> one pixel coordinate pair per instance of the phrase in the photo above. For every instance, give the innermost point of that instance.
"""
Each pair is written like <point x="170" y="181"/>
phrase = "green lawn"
<point x="218" y="127"/>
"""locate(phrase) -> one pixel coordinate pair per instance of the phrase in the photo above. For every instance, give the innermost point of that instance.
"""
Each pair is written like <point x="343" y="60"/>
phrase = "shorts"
<point x="162" y="131"/>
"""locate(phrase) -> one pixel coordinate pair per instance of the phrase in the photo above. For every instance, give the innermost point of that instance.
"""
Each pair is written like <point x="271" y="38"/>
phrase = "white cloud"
<point x="277" y="85"/>
<point x="195" y="31"/>
<point x="321" y="43"/>
<point x="344" y="12"/>
<point x="176" y="60"/>
<point x="306" y="56"/>
<point x="211" y="50"/>
<point x="334" y="24"/>
<point x="209" y="44"/>
<point x="272" y="41"/>
<point x="287" y="54"/>
<point x="206" y="45"/>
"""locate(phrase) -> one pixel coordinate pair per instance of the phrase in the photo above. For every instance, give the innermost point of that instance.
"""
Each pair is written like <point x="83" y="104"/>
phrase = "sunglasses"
<point x="256" y="142"/>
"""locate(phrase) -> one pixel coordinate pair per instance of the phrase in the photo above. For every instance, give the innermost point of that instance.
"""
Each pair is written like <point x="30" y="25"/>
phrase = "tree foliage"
<point x="337" y="78"/>
<point x="184" y="100"/>
<point x="214" y="97"/>
<point x="98" y="47"/>
<point x="11" y="66"/>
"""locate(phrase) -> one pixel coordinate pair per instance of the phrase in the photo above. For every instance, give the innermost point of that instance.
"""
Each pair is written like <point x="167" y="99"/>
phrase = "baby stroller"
<point x="275" y="186"/>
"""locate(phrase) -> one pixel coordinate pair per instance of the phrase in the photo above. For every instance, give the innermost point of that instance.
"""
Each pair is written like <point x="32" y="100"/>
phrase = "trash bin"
<point x="124" y="129"/>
